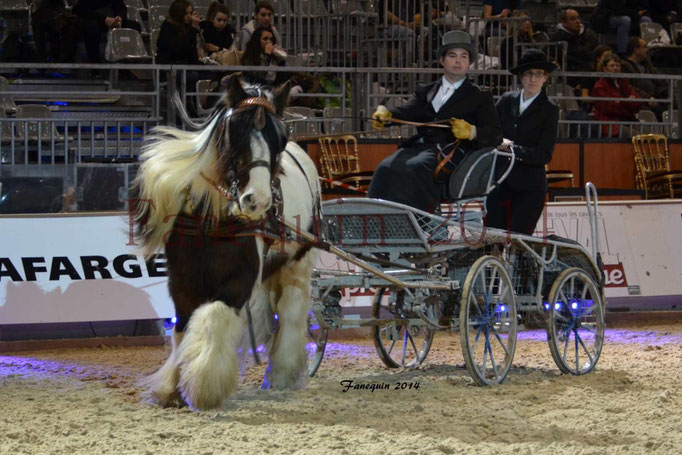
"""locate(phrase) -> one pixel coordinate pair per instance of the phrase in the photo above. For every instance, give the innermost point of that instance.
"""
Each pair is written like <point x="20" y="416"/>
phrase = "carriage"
<point x="233" y="205"/>
<point x="447" y="271"/>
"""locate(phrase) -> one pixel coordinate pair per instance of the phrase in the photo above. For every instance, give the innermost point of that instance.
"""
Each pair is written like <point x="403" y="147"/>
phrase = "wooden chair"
<point x="652" y="167"/>
<point x="557" y="176"/>
<point x="340" y="162"/>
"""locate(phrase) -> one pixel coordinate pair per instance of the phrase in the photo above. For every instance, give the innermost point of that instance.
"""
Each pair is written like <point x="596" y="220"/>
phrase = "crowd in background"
<point x="187" y="38"/>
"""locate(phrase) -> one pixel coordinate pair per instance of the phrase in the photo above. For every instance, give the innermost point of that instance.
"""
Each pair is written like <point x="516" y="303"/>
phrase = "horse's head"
<point x="249" y="140"/>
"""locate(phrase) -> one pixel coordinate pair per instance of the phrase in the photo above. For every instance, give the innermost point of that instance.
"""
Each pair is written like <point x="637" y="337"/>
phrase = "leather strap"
<point x="445" y="160"/>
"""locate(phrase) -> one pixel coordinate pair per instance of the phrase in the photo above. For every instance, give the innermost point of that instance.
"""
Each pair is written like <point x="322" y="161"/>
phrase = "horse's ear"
<point x="281" y="97"/>
<point x="235" y="91"/>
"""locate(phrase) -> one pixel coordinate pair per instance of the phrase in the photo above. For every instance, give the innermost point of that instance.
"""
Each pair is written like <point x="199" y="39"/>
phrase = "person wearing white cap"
<point x="407" y="176"/>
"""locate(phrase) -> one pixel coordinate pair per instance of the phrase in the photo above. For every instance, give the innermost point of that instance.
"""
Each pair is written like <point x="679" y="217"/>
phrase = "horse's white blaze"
<point x="256" y="197"/>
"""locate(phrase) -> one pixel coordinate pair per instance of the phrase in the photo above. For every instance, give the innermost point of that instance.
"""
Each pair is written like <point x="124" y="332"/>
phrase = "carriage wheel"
<point x="488" y="321"/>
<point x="399" y="345"/>
<point x="317" y="342"/>
<point x="575" y="326"/>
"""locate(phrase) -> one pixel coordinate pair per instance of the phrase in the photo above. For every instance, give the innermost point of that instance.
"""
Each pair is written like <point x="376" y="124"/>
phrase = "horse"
<point x="199" y="191"/>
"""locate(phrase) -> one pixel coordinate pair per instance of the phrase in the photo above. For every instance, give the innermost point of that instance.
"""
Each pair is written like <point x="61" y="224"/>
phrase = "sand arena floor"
<point x="86" y="401"/>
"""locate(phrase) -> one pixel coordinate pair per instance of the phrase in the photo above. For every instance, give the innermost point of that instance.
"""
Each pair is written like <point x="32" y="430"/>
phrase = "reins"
<point x="435" y="124"/>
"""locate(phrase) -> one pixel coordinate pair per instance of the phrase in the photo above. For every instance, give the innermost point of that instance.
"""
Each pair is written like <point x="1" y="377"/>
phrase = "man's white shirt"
<point x="445" y="92"/>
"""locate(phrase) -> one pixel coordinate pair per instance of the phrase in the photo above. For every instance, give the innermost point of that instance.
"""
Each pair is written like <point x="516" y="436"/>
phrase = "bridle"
<point x="231" y="191"/>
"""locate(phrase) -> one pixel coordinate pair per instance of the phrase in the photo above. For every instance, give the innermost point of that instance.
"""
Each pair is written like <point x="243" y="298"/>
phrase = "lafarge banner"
<point x="65" y="268"/>
<point x="77" y="268"/>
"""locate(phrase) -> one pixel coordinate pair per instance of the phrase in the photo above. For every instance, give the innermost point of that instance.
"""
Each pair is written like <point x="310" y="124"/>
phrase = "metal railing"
<point x="69" y="133"/>
<point x="61" y="144"/>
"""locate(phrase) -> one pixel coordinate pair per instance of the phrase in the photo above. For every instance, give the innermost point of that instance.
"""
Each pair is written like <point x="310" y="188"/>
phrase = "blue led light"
<point x="276" y="317"/>
<point x="557" y="306"/>
<point x="174" y="320"/>
<point x="547" y="306"/>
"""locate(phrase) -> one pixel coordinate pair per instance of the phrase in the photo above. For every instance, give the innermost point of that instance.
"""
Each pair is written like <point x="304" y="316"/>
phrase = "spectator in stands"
<point x="600" y="52"/>
<point x="499" y="9"/>
<point x="529" y="125"/>
<point x="217" y="32"/>
<point x="398" y="16"/>
<point x="402" y="19"/>
<point x="637" y="61"/>
<point x="262" y="50"/>
<point x="617" y="111"/>
<point x="623" y="16"/>
<point x="407" y="176"/>
<point x="518" y="32"/>
<point x="580" y="41"/>
<point x="177" y="42"/>
<point x="262" y="17"/>
<point x="664" y="12"/>
<point x="95" y="18"/>
<point x="54" y="31"/>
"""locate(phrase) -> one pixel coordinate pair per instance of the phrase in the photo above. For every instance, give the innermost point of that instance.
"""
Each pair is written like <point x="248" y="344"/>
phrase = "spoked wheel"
<point x="317" y="342"/>
<point x="488" y="321"/>
<point x="575" y="326"/>
<point x="399" y="345"/>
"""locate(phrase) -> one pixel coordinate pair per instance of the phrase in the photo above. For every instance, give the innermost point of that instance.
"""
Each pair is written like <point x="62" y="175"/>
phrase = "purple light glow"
<point x="36" y="368"/>
<point x="337" y="350"/>
<point x="614" y="336"/>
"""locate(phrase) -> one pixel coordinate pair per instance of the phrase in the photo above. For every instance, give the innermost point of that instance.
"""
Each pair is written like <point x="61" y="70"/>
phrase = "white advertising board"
<point x="641" y="246"/>
<point x="77" y="268"/>
<point x="64" y="268"/>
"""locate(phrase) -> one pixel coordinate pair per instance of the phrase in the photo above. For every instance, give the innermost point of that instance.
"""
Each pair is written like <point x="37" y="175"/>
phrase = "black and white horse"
<point x="199" y="191"/>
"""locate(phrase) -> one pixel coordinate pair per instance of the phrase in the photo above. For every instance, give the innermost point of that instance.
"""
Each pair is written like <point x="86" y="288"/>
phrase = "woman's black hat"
<point x="533" y="59"/>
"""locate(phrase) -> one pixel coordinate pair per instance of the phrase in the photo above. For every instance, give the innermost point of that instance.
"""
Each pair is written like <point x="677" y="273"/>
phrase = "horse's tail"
<point x="207" y="355"/>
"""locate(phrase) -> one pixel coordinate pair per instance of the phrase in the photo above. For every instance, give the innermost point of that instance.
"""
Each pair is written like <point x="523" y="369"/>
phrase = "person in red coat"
<point x="618" y="111"/>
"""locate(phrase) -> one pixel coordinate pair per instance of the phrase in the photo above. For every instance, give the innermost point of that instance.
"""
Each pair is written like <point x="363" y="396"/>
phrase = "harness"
<point x="272" y="229"/>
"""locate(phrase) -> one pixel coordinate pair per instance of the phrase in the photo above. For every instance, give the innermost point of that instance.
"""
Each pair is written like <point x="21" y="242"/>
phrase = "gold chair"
<point x="652" y="167"/>
<point x="559" y="176"/>
<point x="341" y="163"/>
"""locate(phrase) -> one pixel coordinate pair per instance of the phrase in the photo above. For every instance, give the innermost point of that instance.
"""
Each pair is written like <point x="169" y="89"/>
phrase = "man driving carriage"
<point x="409" y="175"/>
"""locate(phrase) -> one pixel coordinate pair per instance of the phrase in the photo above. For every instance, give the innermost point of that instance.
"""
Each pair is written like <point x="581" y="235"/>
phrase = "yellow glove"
<point x="460" y="128"/>
<point x="380" y="117"/>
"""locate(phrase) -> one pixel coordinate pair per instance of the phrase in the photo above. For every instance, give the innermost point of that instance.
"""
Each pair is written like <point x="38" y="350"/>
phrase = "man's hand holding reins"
<point x="462" y="129"/>
<point x="380" y="117"/>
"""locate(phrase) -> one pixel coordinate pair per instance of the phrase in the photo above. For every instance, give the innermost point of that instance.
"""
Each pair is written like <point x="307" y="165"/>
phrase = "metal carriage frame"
<point x="449" y="272"/>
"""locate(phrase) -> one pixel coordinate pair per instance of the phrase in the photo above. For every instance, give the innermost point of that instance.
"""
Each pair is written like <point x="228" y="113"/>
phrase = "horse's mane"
<point x="173" y="161"/>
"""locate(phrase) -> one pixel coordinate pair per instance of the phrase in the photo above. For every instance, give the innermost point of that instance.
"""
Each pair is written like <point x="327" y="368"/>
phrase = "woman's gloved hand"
<point x="380" y="117"/>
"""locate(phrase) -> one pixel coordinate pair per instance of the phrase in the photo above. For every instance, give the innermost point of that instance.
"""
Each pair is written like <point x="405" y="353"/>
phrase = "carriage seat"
<point x="471" y="181"/>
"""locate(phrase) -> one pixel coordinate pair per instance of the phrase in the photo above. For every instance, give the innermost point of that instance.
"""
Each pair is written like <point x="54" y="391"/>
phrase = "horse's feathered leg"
<point x="207" y="355"/>
<point x="287" y="357"/>
<point x="162" y="385"/>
